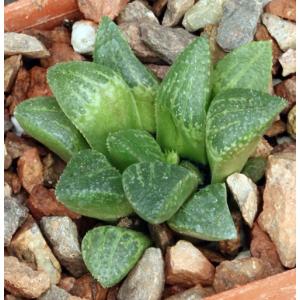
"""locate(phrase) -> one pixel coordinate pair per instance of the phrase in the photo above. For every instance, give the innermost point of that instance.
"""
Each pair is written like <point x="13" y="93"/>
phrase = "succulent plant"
<point x="202" y="116"/>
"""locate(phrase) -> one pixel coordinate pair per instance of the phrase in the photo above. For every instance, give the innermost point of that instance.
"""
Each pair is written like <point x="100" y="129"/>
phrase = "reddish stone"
<point x="59" y="34"/>
<point x="13" y="181"/>
<point x="60" y="52"/>
<point x="42" y="202"/>
<point x="187" y="266"/>
<point x="95" y="9"/>
<point x="21" y="280"/>
<point x="30" y="169"/>
<point x="262" y="247"/>
<point x="287" y="89"/>
<point x="278" y="127"/>
<point x="159" y="70"/>
<point x="171" y="290"/>
<point x="262" y="34"/>
<point x="15" y="145"/>
<point x="231" y="247"/>
<point x="88" y="288"/>
<point x="19" y="90"/>
<point x="159" y="6"/>
<point x="282" y="8"/>
<point x="53" y="168"/>
<point x="67" y="283"/>
<point x="230" y="274"/>
<point x="38" y="83"/>
<point x="112" y="293"/>
<point x="278" y="287"/>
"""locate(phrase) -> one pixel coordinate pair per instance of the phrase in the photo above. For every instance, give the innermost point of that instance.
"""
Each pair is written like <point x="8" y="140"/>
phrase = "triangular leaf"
<point x="206" y="215"/>
<point x="130" y="146"/>
<point x="110" y="252"/>
<point x="182" y="102"/>
<point x="112" y="50"/>
<point x="95" y="99"/>
<point x="156" y="190"/>
<point x="43" y="119"/>
<point x="247" y="67"/>
<point x="91" y="187"/>
<point x="235" y="122"/>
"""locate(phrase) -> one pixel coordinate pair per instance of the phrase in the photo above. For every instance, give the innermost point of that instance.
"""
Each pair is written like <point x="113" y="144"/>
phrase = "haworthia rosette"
<point x="95" y="99"/>
<point x="206" y="215"/>
<point x="129" y="146"/>
<point x="91" y="187"/>
<point x="156" y="190"/>
<point x="43" y="119"/>
<point x="182" y="102"/>
<point x="247" y="67"/>
<point x="235" y="122"/>
<point x="110" y="252"/>
<point x="112" y="50"/>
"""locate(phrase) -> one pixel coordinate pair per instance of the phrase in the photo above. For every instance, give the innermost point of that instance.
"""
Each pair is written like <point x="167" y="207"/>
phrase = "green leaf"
<point x="255" y="168"/>
<point x="206" y="215"/>
<point x="182" y="102"/>
<point x="110" y="252"/>
<point x="247" y="67"/>
<point x="188" y="165"/>
<point x="91" y="187"/>
<point x="42" y="118"/>
<point x="156" y="190"/>
<point x="235" y="122"/>
<point x="130" y="146"/>
<point x="112" y="50"/>
<point x="95" y="99"/>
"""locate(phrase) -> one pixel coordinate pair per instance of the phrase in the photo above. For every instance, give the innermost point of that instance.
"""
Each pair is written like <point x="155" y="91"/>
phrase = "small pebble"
<point x="84" y="36"/>
<point x="19" y="43"/>
<point x="136" y="11"/>
<point x="15" y="215"/>
<point x="245" y="194"/>
<point x="186" y="265"/>
<point x="231" y="274"/>
<point x="11" y="67"/>
<point x="29" y="244"/>
<point x="146" y="280"/>
<point x="165" y="41"/>
<point x="278" y="217"/>
<point x="62" y="234"/>
<point x="175" y="11"/>
<point x="291" y="127"/>
<point x="284" y="32"/>
<point x="238" y="24"/>
<point x="23" y="281"/>
<point x="203" y="13"/>
<point x="288" y="62"/>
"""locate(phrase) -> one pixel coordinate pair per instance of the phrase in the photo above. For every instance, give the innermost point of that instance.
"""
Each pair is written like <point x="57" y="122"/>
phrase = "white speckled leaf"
<point x="182" y="102"/>
<point x="112" y="50"/>
<point x="91" y="187"/>
<point x="43" y="119"/>
<point x="130" y="146"/>
<point x="156" y="190"/>
<point x="247" y="67"/>
<point x="110" y="252"/>
<point x="95" y="99"/>
<point x="206" y="215"/>
<point x="236" y="120"/>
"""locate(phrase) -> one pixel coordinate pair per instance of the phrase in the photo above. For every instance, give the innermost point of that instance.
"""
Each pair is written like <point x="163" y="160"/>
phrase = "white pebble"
<point x="17" y="127"/>
<point x="84" y="36"/>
